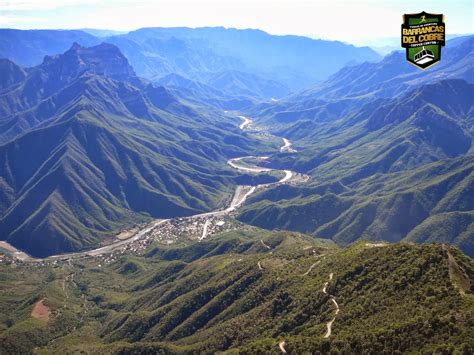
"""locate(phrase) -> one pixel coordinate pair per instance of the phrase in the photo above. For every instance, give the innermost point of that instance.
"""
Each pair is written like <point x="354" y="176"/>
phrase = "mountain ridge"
<point x="360" y="162"/>
<point x="202" y="52"/>
<point x="233" y="294"/>
<point x="106" y="153"/>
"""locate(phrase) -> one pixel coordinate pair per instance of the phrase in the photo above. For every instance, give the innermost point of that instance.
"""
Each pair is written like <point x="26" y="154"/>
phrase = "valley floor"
<point x="174" y="229"/>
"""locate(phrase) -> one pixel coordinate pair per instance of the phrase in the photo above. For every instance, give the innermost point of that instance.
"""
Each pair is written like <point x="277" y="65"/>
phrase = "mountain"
<point x="244" y="84"/>
<point x="281" y="61"/>
<point x="154" y="56"/>
<point x="293" y="61"/>
<point x="391" y="207"/>
<point x="39" y="95"/>
<point x="102" y="33"/>
<point x="203" y="94"/>
<point x="355" y="85"/>
<point x="357" y="134"/>
<point x="394" y="75"/>
<point x="12" y="74"/>
<point x="392" y="169"/>
<point x="87" y="148"/>
<point x="233" y="294"/>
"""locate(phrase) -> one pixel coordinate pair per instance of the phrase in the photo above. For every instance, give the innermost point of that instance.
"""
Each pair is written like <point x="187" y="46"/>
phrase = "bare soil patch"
<point x="40" y="311"/>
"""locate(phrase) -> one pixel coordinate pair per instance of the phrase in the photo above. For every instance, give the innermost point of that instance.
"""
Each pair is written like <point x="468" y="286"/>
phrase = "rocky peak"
<point x="103" y="59"/>
<point x="10" y="73"/>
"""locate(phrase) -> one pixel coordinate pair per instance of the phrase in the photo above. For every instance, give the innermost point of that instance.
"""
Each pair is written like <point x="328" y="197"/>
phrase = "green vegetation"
<point x="105" y="151"/>
<point x="244" y="291"/>
<point x="88" y="148"/>
<point x="393" y="169"/>
<point x="389" y="150"/>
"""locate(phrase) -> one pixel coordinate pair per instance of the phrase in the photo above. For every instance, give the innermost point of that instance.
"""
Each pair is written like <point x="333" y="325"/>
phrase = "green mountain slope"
<point x="233" y="294"/>
<point x="380" y="171"/>
<point x="450" y="227"/>
<point x="89" y="148"/>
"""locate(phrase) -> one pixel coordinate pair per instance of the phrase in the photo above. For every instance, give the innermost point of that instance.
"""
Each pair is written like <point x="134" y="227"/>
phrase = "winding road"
<point x="246" y="122"/>
<point x="287" y="146"/>
<point x="241" y="194"/>
<point x="235" y="164"/>
<point x="311" y="268"/>
<point x="265" y="245"/>
<point x="333" y="299"/>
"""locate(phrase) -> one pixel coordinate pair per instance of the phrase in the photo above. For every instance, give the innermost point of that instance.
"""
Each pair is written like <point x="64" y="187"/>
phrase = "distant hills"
<point x="394" y="75"/>
<point x="355" y="85"/>
<point x="208" y="55"/>
<point x="389" y="149"/>
<point x="28" y="48"/>
<point x="292" y="60"/>
<point x="86" y="148"/>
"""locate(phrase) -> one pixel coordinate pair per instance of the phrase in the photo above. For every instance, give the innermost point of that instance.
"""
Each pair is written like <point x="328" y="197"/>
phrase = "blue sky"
<point x="351" y="21"/>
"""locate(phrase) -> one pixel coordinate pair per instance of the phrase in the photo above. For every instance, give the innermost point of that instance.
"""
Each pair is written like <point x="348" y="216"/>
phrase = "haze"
<point x="358" y="22"/>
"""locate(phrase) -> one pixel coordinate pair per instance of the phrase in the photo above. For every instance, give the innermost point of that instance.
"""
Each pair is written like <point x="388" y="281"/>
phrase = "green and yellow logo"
<point x="423" y="36"/>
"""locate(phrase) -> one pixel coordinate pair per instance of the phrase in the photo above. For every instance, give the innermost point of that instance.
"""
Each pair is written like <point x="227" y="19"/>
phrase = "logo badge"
<point x="423" y="36"/>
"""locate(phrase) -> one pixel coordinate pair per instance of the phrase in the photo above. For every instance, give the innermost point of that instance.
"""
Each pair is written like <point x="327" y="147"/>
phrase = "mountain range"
<point x="86" y="147"/>
<point x="354" y="177"/>
<point x="355" y="85"/>
<point x="244" y="62"/>
<point x="390" y="154"/>
<point x="383" y="166"/>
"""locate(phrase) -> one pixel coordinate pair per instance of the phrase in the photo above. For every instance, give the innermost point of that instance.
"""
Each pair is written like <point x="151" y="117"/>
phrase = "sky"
<point x="358" y="22"/>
